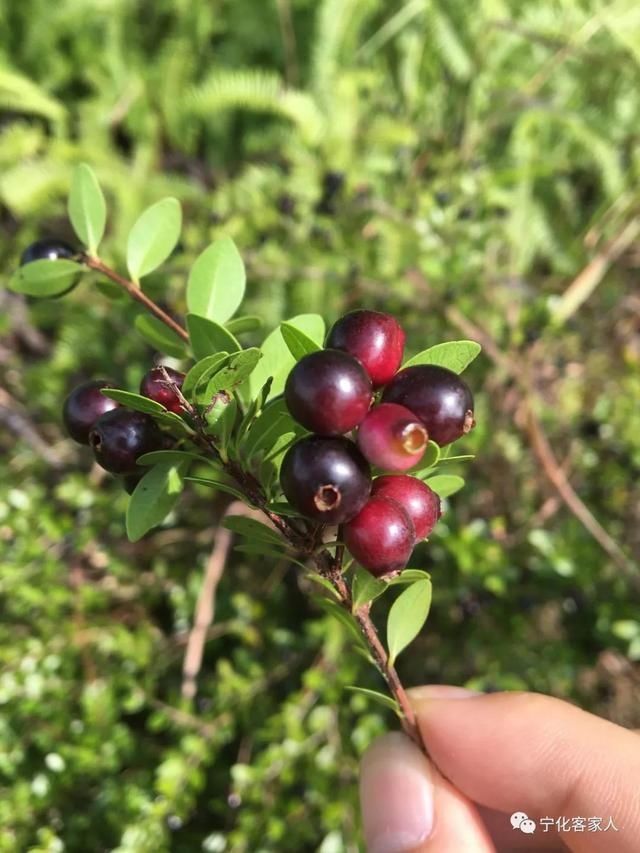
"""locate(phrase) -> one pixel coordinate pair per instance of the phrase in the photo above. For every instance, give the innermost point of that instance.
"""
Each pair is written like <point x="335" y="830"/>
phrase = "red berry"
<point x="121" y="436"/>
<point x="438" y="396"/>
<point x="376" y="339"/>
<point x="421" y="503"/>
<point x="82" y="408"/>
<point x="392" y="437"/>
<point x="326" y="479"/>
<point x="381" y="537"/>
<point x="155" y="386"/>
<point x="328" y="392"/>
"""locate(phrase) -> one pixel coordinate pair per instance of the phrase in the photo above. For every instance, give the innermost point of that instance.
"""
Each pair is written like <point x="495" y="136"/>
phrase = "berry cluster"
<point x="117" y="435"/>
<point x="354" y="384"/>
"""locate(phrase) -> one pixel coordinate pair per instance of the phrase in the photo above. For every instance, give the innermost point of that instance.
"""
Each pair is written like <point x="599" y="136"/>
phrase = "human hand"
<point x="501" y="753"/>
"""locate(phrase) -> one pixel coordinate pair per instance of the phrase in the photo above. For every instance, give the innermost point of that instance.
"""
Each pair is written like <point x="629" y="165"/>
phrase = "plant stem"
<point x="327" y="565"/>
<point x="136" y="293"/>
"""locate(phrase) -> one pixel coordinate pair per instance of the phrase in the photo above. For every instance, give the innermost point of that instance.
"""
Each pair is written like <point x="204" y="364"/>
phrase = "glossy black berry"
<point x="326" y="479"/>
<point x="381" y="536"/>
<point x="374" y="338"/>
<point x="155" y="386"/>
<point x="328" y="392"/>
<point x="121" y="436"/>
<point x="48" y="249"/>
<point x="82" y="408"/>
<point x="439" y="397"/>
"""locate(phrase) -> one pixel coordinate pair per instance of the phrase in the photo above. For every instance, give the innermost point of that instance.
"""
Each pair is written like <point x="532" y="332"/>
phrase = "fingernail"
<point x="441" y="691"/>
<point x="396" y="795"/>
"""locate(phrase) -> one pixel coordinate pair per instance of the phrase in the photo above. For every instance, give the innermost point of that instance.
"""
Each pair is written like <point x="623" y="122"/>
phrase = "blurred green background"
<point x="472" y="169"/>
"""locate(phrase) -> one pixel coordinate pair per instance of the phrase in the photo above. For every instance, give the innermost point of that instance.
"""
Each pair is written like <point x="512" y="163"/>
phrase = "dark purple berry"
<point x="155" y="386"/>
<point x="326" y="479"/>
<point x="421" y="503"/>
<point x="438" y="396"/>
<point x="84" y="405"/>
<point x="120" y="437"/>
<point x="328" y="392"/>
<point x="48" y="249"/>
<point x="381" y="536"/>
<point x="392" y="437"/>
<point x="375" y="339"/>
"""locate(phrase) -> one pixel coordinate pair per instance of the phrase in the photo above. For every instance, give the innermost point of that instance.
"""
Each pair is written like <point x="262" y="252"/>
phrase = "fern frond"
<point x="259" y="91"/>
<point x="21" y="95"/>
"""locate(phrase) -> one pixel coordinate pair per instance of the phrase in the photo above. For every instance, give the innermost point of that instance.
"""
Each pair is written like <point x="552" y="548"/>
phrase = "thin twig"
<point x="136" y="293"/>
<point x="205" y="607"/>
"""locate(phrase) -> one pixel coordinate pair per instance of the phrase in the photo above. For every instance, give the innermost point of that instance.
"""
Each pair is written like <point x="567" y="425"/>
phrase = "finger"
<point x="408" y="806"/>
<point x="531" y="753"/>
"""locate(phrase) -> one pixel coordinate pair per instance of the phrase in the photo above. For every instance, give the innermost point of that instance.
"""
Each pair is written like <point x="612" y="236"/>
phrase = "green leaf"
<point x="338" y="612"/>
<point x="456" y="355"/>
<point x="207" y="337"/>
<point x="430" y="458"/>
<point x="87" y="208"/>
<point x="314" y="577"/>
<point x="239" y="368"/>
<point x="445" y="484"/>
<point x="175" y="456"/>
<point x="277" y="360"/>
<point x="174" y="422"/>
<point x="252" y="529"/>
<point x="45" y="278"/>
<point x="219" y="485"/>
<point x="298" y="343"/>
<point x="387" y="702"/>
<point x="202" y="371"/>
<point x="365" y="588"/>
<point x="221" y="420"/>
<point x="283" y="508"/>
<point x="134" y="401"/>
<point x="153" y="498"/>
<point x="240" y="325"/>
<point x="153" y="237"/>
<point x="407" y="615"/>
<point x="253" y="410"/>
<point x="272" y="422"/>
<point x="160" y="336"/>
<point x="409" y="576"/>
<point x="217" y="281"/>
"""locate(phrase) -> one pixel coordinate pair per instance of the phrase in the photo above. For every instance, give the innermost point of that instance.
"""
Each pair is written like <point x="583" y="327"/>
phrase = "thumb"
<point x="523" y="752"/>
<point x="408" y="806"/>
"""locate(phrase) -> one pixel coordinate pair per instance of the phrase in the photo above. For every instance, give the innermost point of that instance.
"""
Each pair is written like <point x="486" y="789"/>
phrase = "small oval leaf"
<point x="153" y="237"/>
<point x="386" y="701"/>
<point x="153" y="499"/>
<point x="87" y="208"/>
<point x="298" y="343"/>
<point x="407" y="615"/>
<point x="45" y="278"/>
<point x="456" y="355"/>
<point x="134" y="401"/>
<point x="207" y="337"/>
<point x="445" y="485"/>
<point x="217" y="281"/>
<point x="160" y="336"/>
